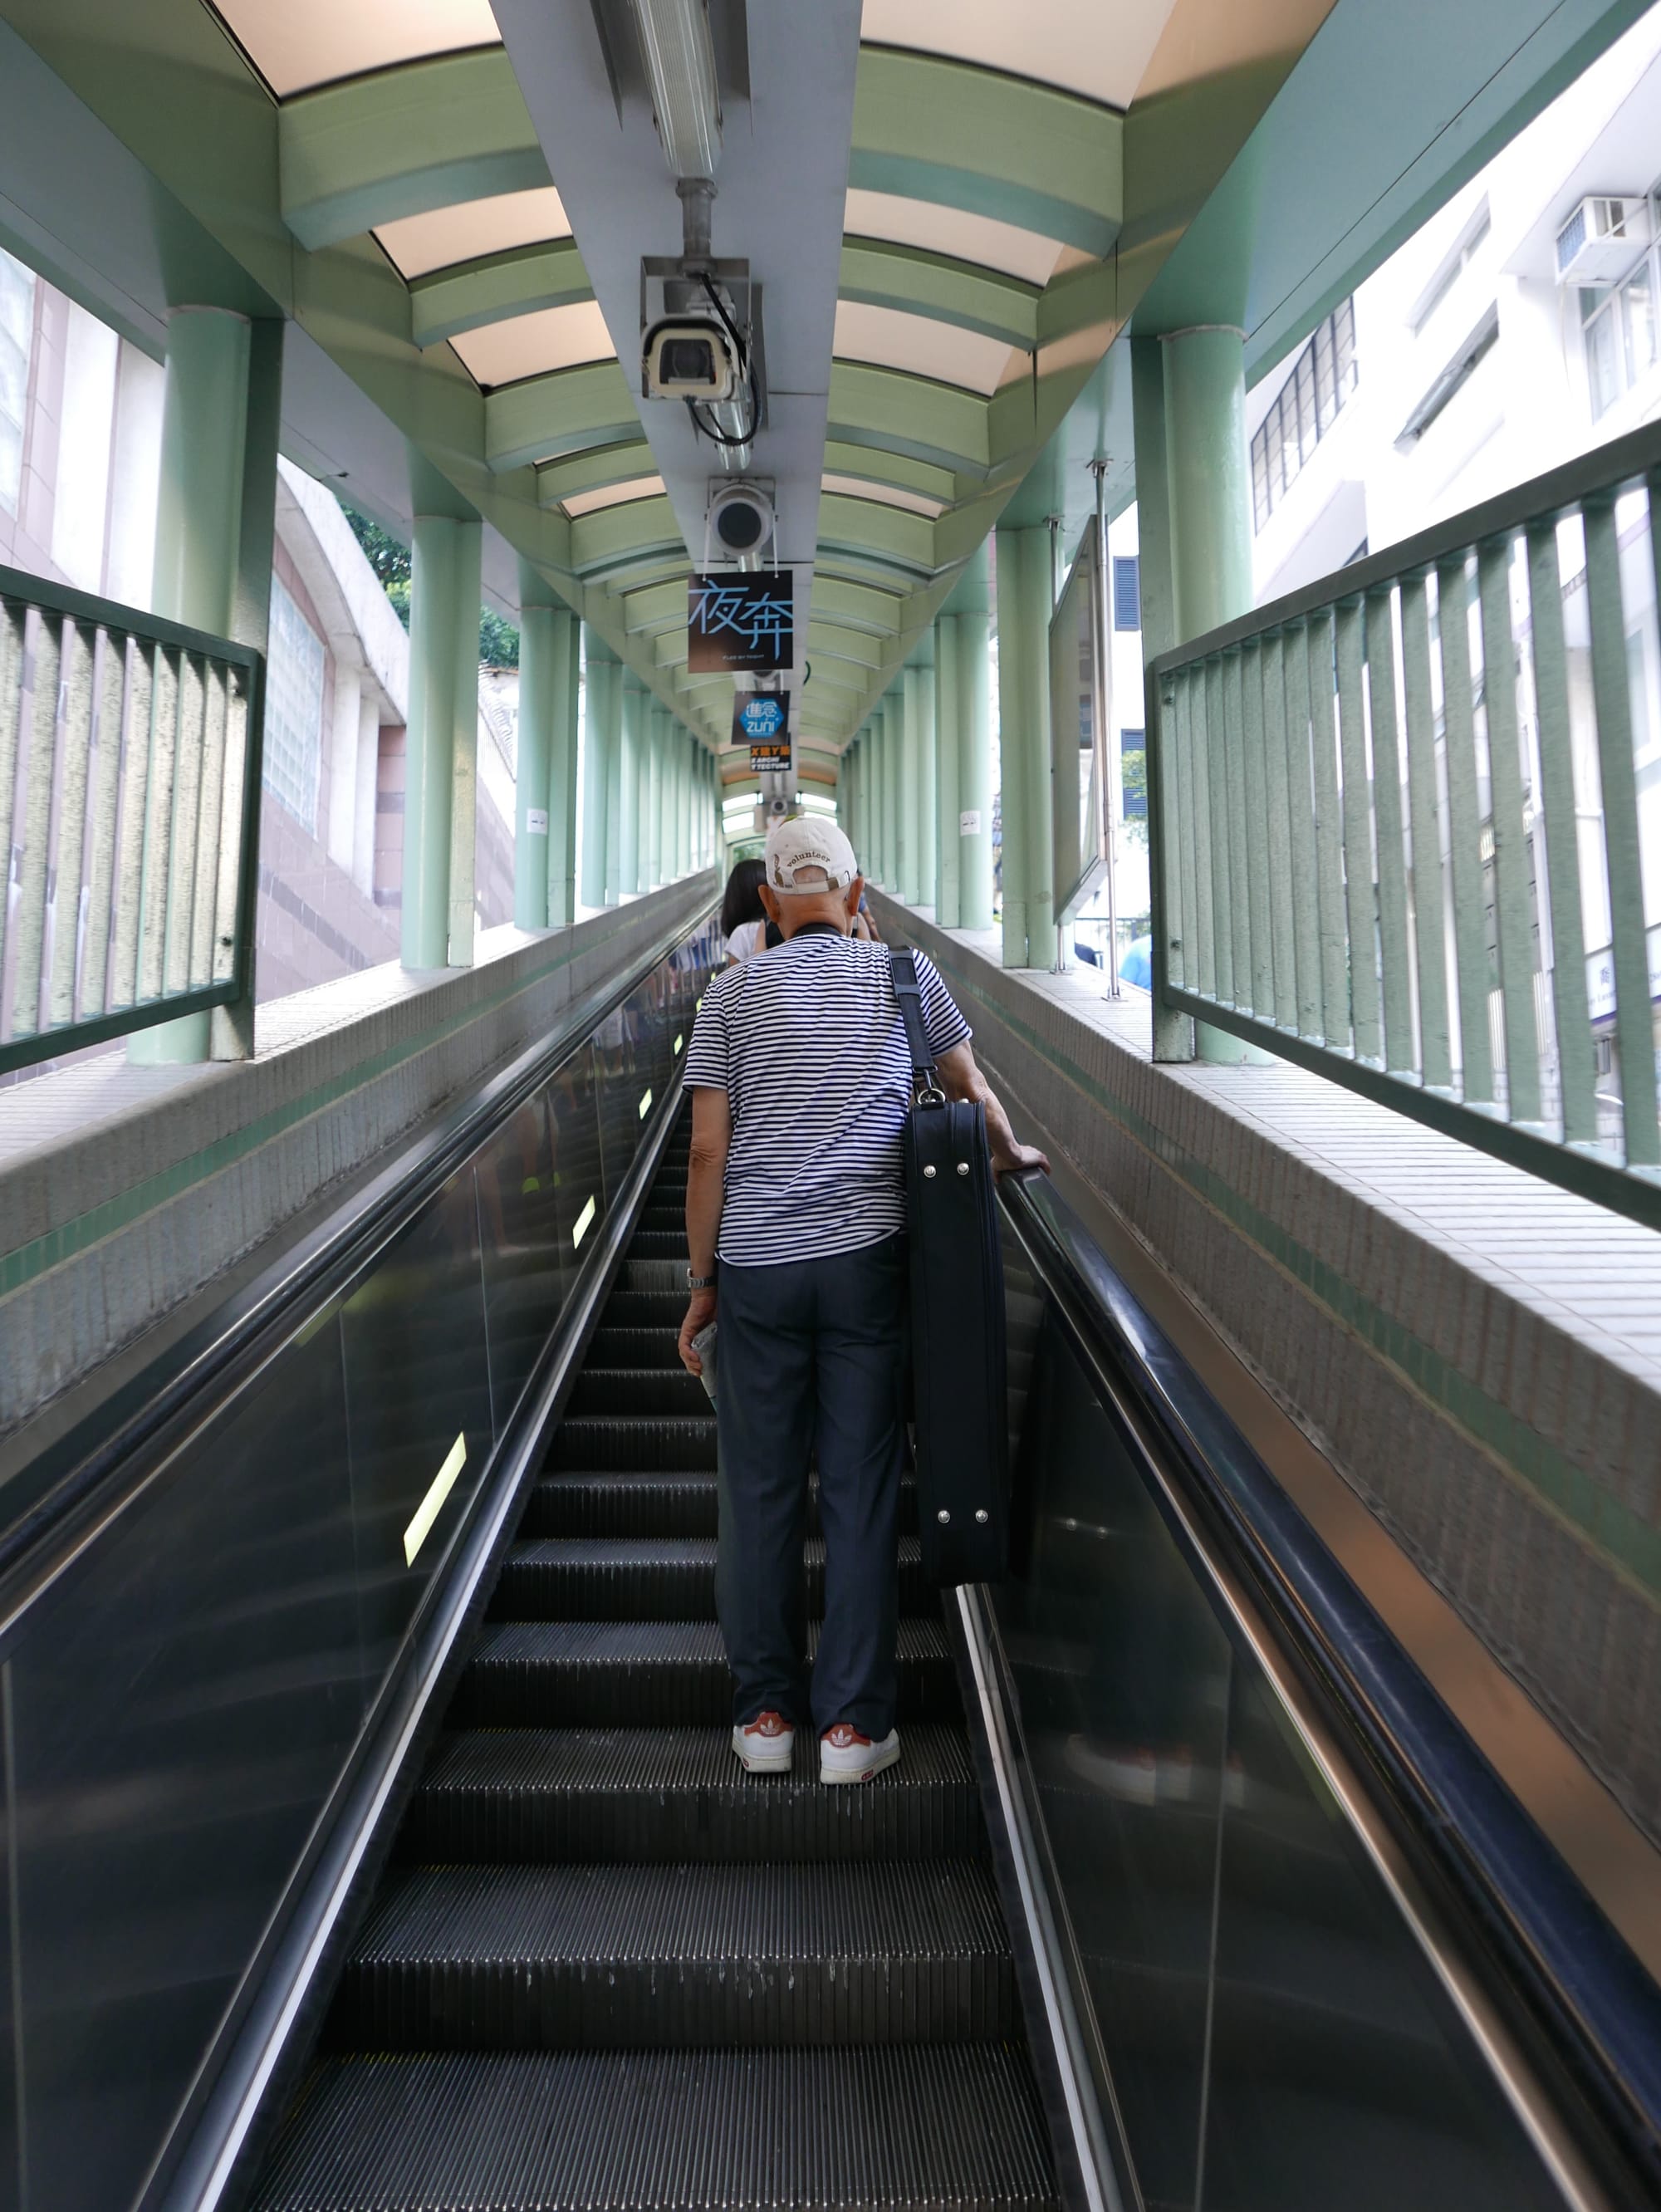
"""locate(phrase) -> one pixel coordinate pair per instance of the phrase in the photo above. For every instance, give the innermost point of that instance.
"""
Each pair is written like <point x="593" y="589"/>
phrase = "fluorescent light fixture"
<point x="582" y="1225"/>
<point x="679" y="1041"/>
<point x="645" y="1104"/>
<point x="427" y="1511"/>
<point x="680" y="64"/>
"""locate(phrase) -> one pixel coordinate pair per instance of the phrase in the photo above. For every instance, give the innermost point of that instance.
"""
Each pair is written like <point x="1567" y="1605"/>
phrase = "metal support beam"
<point x="545" y="827"/>
<point x="602" y="715"/>
<point x="1025" y="603"/>
<point x="623" y="843"/>
<point x="947" y="848"/>
<point x="976" y="779"/>
<point x="1208" y="488"/>
<point x="222" y="399"/>
<point x="443" y="735"/>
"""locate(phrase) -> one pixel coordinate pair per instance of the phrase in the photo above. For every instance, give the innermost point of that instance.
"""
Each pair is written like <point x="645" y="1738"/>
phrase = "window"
<point x="1457" y="374"/>
<point x="1133" y="773"/>
<point x="293" y="710"/>
<point x="1127" y="591"/>
<point x="16" y="340"/>
<point x="1448" y="273"/>
<point x="1619" y="329"/>
<point x="1322" y="377"/>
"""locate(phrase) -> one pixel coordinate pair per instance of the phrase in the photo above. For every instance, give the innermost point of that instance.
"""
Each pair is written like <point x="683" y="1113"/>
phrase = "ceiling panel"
<point x="591" y="502"/>
<point x="864" y="488"/>
<point x="923" y="347"/>
<point x="298" y="44"/>
<point x="421" y="243"/>
<point x="1096" y="48"/>
<point x="529" y="345"/>
<point x="966" y="237"/>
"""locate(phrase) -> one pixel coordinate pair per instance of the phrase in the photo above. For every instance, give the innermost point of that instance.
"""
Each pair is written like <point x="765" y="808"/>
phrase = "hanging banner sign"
<point x="761" y="720"/>
<point x="741" y="623"/>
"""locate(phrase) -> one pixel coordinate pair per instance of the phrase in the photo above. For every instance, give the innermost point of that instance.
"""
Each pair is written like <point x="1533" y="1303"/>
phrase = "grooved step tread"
<point x="911" y="2129"/>
<point x="650" y="1502"/>
<point x="652" y="1672"/>
<point x="591" y="1957"/>
<point x="653" y="1578"/>
<point x="668" y="1794"/>
<point x="652" y="1440"/>
<point x="629" y="1393"/>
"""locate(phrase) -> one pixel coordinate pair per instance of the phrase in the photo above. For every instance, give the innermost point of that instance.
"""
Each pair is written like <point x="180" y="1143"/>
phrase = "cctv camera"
<point x="689" y="357"/>
<point x="741" y="519"/>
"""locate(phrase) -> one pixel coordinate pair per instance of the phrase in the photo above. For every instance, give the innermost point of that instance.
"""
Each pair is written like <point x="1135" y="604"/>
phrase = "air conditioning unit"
<point x="1602" y="239"/>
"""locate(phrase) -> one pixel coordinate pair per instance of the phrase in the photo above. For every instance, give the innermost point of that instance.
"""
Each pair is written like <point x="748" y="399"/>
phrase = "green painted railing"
<point x="1407" y="826"/>
<point x="130" y="768"/>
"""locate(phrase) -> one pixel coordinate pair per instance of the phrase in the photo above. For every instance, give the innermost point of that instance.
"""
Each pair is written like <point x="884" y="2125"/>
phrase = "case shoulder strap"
<point x="902" y="969"/>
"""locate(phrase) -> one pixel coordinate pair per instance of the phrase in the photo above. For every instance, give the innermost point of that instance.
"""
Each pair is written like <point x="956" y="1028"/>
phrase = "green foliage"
<point x="1135" y="769"/>
<point x="389" y="559"/>
<point x="499" y="642"/>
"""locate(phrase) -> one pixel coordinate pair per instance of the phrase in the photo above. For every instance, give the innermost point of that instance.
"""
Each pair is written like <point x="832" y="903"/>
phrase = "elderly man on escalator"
<point x="801" y="1080"/>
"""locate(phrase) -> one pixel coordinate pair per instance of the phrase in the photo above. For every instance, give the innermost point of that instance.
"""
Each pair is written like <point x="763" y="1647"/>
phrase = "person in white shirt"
<point x="743" y="923"/>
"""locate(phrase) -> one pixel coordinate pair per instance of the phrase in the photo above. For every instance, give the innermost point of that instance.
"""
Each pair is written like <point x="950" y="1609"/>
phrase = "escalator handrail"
<point x="103" y="1464"/>
<point x="1594" y="2009"/>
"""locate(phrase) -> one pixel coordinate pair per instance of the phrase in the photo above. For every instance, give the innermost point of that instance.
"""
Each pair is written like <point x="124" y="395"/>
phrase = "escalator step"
<point x="655" y="1275"/>
<point x="630" y="1502"/>
<point x="910" y="2129"/>
<point x="635" y="1347"/>
<point x="638" y="1392"/>
<point x="665" y="1795"/>
<point x="658" y="1245"/>
<point x="650" y="1501"/>
<point x="655" y="1673"/>
<point x="602" y="1958"/>
<point x="651" y="1579"/>
<point x="685" y="1440"/>
<point x="646" y="1308"/>
<point x="661" y="1214"/>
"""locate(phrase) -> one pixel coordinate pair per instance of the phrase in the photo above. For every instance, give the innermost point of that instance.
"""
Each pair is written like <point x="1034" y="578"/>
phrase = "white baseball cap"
<point x="797" y="846"/>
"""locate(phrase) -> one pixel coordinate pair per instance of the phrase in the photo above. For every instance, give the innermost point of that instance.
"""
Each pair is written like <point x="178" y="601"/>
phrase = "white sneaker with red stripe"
<point x="845" y="1755"/>
<point x="764" y="1745"/>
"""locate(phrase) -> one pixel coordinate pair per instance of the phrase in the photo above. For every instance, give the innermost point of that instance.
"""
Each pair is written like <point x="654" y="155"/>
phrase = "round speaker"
<point x="741" y="517"/>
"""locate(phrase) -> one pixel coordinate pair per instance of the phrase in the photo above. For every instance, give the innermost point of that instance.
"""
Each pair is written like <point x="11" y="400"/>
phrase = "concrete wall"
<point x="123" y="1190"/>
<point x="1477" y="1353"/>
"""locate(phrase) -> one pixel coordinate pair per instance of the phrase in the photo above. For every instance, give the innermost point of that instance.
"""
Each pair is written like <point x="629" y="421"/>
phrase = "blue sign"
<point x="762" y="716"/>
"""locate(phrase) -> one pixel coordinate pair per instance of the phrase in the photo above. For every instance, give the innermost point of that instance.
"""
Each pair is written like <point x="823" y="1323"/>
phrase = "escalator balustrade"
<point x="607" y="1968"/>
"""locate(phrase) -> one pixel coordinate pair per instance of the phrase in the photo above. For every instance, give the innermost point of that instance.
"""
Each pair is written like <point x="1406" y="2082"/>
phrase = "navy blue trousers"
<point x="811" y="1355"/>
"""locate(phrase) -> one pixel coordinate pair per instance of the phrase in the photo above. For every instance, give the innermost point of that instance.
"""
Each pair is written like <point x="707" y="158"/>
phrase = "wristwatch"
<point x="700" y="1282"/>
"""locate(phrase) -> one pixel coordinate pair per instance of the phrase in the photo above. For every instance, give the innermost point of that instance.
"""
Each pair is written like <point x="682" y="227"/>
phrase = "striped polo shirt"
<point x="808" y="1042"/>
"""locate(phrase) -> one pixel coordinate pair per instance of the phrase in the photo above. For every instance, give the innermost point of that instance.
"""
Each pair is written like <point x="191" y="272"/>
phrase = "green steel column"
<point x="680" y="760"/>
<point x="222" y="397"/>
<point x="891" y="795"/>
<point x="975" y="779"/>
<point x="948" y="892"/>
<point x="442" y="733"/>
<point x="1208" y="478"/>
<point x="928" y="743"/>
<point x="564" y="828"/>
<point x="971" y="609"/>
<point x="1025" y="603"/>
<point x="1209" y="492"/>
<point x="623" y="859"/>
<point x="602" y="708"/>
<point x="879" y="730"/>
<point x="657" y="846"/>
<point x="909" y="870"/>
<point x="540" y="683"/>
